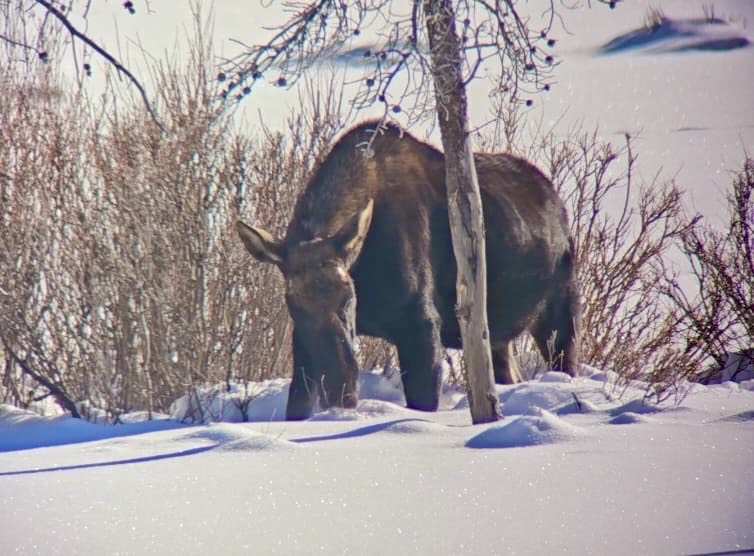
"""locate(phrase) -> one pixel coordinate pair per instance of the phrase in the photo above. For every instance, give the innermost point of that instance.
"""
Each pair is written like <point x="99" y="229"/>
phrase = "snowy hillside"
<point x="575" y="467"/>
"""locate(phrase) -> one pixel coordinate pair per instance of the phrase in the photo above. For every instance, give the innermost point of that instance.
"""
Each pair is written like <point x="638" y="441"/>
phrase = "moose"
<point x="368" y="251"/>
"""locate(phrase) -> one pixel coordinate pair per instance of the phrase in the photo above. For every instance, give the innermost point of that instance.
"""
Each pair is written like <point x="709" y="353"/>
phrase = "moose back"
<point x="368" y="251"/>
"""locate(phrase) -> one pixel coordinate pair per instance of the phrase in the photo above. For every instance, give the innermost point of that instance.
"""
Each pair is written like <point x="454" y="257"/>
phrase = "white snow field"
<point x="571" y="469"/>
<point x="574" y="468"/>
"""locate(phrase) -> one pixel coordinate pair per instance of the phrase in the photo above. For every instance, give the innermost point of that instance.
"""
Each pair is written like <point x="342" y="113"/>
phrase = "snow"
<point x="542" y="427"/>
<point x="575" y="467"/>
<point x="621" y="477"/>
<point x="676" y="36"/>
<point x="688" y="105"/>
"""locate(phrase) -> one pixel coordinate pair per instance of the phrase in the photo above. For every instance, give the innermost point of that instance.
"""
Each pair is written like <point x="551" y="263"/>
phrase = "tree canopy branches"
<point x="389" y="43"/>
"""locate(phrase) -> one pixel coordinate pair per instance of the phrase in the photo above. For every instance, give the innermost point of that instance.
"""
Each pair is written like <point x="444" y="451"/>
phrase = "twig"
<point x="52" y="10"/>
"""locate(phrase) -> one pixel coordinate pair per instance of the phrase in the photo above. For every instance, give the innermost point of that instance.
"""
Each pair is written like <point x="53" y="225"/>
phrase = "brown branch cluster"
<point x="623" y="238"/>
<point x="124" y="285"/>
<point x="717" y="297"/>
<point x="393" y="66"/>
<point x="37" y="30"/>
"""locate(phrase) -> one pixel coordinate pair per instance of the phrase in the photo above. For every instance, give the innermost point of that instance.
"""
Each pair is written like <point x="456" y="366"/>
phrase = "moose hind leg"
<point x="420" y="353"/>
<point x="555" y="332"/>
<point x="506" y="368"/>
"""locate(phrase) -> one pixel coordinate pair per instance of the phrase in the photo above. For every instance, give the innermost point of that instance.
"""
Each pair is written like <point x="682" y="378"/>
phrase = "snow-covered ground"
<point x="572" y="469"/>
<point x="689" y="103"/>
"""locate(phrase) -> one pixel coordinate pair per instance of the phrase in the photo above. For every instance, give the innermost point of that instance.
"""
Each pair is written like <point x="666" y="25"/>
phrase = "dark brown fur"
<point x="401" y="267"/>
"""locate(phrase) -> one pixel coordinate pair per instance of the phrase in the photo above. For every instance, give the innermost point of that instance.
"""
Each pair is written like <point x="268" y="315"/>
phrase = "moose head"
<point x="322" y="303"/>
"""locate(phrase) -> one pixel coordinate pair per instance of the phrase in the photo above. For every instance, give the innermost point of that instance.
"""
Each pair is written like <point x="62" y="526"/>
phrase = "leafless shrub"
<point x="530" y="361"/>
<point x="126" y="285"/>
<point x="373" y="353"/>
<point x="717" y="305"/>
<point x="129" y="286"/>
<point x="625" y="324"/>
<point x="166" y="205"/>
<point x="39" y="171"/>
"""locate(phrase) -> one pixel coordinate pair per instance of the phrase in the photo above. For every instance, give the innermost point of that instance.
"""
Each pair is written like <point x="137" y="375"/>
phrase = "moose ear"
<point x="260" y="244"/>
<point x="350" y="238"/>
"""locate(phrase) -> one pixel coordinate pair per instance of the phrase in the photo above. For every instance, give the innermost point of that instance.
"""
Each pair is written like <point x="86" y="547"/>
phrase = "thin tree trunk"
<point x="465" y="209"/>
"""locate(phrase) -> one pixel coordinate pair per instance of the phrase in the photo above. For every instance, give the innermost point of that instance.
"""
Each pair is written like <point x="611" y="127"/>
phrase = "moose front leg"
<point x="305" y="384"/>
<point x="302" y="396"/>
<point x="420" y="353"/>
<point x="340" y="379"/>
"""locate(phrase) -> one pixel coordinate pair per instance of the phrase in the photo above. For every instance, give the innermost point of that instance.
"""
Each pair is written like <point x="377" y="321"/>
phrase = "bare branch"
<point x="83" y="37"/>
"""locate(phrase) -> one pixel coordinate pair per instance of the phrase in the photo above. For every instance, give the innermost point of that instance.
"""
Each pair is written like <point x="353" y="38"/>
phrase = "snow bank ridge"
<point x="233" y="437"/>
<point x="540" y="427"/>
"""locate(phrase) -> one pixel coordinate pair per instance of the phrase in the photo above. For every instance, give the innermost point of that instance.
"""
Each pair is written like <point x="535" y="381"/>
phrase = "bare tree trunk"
<point x="465" y="209"/>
